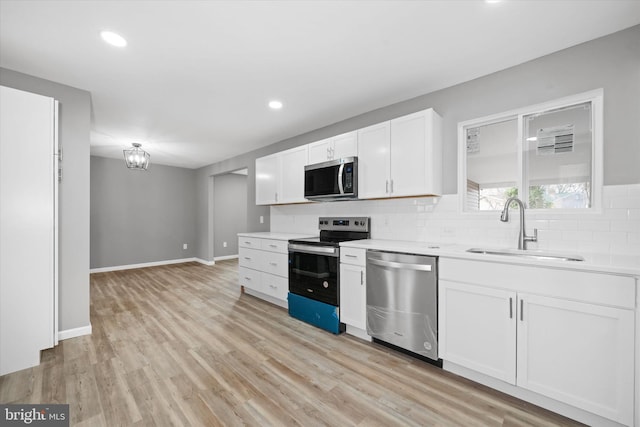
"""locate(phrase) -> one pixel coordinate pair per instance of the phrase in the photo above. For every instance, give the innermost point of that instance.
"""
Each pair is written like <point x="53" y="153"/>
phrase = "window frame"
<point x="595" y="97"/>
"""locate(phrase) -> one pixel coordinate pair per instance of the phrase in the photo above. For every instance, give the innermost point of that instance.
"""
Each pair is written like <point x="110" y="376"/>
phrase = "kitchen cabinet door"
<point x="291" y="175"/>
<point x="373" y="161"/>
<point x="337" y="147"/>
<point x="345" y="145"/>
<point x="320" y="151"/>
<point x="267" y="179"/>
<point x="478" y="329"/>
<point x="353" y="295"/>
<point x="577" y="353"/>
<point x="415" y="158"/>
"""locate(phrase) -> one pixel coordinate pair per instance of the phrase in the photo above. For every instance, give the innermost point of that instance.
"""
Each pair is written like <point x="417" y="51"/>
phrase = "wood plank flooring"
<point x="179" y="345"/>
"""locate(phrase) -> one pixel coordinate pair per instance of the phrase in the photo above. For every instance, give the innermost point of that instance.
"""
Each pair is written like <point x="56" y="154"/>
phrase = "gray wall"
<point x="73" y="224"/>
<point x="139" y="217"/>
<point x="204" y="196"/>
<point x="229" y="212"/>
<point x="611" y="62"/>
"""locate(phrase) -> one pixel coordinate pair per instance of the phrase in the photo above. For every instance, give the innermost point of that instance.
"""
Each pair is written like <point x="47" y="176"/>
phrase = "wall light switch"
<point x="261" y="219"/>
<point x="184" y="246"/>
<point x="224" y="244"/>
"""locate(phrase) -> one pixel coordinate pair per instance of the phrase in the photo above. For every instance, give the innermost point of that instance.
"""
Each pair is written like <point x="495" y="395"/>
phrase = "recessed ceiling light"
<point x="275" y="105"/>
<point x="113" y="39"/>
<point x="492" y="1"/>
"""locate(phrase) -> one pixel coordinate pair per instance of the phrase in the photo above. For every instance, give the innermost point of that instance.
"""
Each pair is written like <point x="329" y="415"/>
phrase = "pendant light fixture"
<point x="136" y="158"/>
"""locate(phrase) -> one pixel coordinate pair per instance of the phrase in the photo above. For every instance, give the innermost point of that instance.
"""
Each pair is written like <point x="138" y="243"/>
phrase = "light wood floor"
<point x="179" y="345"/>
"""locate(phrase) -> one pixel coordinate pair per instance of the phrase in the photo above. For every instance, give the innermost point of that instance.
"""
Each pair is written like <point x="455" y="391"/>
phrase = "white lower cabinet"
<point x="353" y="296"/>
<point x="264" y="267"/>
<point x="477" y="329"/>
<point x="580" y="353"/>
<point x="353" y="291"/>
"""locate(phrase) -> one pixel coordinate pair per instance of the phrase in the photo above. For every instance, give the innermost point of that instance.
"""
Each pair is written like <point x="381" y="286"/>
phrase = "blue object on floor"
<point x="320" y="314"/>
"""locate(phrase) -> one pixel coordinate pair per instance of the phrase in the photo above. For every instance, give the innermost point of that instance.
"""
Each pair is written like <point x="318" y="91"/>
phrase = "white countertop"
<point x="275" y="236"/>
<point x="460" y="252"/>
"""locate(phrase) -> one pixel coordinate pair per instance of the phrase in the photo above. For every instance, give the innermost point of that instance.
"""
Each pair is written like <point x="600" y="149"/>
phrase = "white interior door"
<point x="27" y="228"/>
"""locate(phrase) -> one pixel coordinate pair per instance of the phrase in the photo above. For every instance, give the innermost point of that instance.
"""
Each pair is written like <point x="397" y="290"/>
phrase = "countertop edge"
<point x="274" y="236"/>
<point x="460" y="252"/>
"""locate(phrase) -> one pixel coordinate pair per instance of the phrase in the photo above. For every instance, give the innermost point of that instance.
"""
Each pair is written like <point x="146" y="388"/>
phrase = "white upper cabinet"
<point x="345" y="145"/>
<point x="373" y="161"/>
<point x="416" y="154"/>
<point x="293" y="162"/>
<point x="267" y="179"/>
<point x="396" y="158"/>
<point x="401" y="157"/>
<point x="280" y="177"/>
<point x="337" y="147"/>
<point x="320" y="151"/>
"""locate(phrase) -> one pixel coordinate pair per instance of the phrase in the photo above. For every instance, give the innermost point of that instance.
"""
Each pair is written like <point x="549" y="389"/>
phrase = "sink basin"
<point x="532" y="254"/>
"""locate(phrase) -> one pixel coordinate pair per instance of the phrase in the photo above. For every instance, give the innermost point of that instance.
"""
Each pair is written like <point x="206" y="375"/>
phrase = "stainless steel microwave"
<point x="332" y="180"/>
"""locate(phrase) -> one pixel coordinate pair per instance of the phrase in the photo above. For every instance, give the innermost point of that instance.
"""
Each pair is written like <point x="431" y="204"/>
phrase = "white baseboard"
<point x="225" y="257"/>
<point x="205" y="262"/>
<point x="146" y="264"/>
<point x="75" y="332"/>
<point x="357" y="332"/>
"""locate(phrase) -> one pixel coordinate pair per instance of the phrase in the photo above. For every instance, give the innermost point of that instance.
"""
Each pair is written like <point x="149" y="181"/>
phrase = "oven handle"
<point x="317" y="250"/>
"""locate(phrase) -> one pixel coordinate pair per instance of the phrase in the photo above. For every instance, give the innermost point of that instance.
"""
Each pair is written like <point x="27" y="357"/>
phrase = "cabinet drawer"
<point x="582" y="286"/>
<point x="249" y="242"/>
<point x="275" y="263"/>
<point x="250" y="279"/>
<point x="353" y="256"/>
<point x="280" y="246"/>
<point x="275" y="286"/>
<point x="250" y="258"/>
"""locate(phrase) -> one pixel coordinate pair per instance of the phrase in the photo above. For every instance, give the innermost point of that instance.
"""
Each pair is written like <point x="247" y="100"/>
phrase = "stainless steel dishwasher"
<point x="402" y="301"/>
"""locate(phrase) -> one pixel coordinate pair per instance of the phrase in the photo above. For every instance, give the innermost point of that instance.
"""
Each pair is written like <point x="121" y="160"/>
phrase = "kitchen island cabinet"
<point x="263" y="265"/>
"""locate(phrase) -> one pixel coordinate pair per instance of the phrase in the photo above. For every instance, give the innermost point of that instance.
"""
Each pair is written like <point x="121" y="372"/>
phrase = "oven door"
<point x="313" y="272"/>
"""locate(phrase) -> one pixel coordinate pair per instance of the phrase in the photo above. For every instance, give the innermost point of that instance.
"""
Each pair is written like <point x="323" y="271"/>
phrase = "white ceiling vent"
<point x="555" y="140"/>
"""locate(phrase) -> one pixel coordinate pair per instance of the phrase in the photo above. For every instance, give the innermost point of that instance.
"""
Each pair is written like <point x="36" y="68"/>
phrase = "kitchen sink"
<point x="532" y="254"/>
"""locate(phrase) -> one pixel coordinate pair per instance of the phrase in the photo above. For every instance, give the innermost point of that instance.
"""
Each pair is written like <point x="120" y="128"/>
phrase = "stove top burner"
<point x="334" y="230"/>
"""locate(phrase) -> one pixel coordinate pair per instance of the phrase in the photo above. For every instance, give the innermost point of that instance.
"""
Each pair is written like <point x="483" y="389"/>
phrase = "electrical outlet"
<point x="224" y="244"/>
<point x="184" y="246"/>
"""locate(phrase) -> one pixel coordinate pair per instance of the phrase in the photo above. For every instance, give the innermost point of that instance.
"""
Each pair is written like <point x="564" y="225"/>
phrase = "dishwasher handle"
<point x="394" y="264"/>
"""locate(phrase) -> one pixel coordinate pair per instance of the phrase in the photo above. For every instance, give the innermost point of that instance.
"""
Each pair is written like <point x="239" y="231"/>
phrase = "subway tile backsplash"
<point x="609" y="237"/>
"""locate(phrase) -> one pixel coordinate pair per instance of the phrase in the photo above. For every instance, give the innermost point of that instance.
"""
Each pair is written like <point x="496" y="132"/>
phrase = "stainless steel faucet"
<point x="522" y="237"/>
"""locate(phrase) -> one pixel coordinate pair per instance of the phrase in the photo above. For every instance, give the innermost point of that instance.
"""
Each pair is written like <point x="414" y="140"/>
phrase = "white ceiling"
<point x="194" y="81"/>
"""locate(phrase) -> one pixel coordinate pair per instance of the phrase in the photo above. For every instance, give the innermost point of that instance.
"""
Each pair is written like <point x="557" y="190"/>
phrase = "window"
<point x="548" y="155"/>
